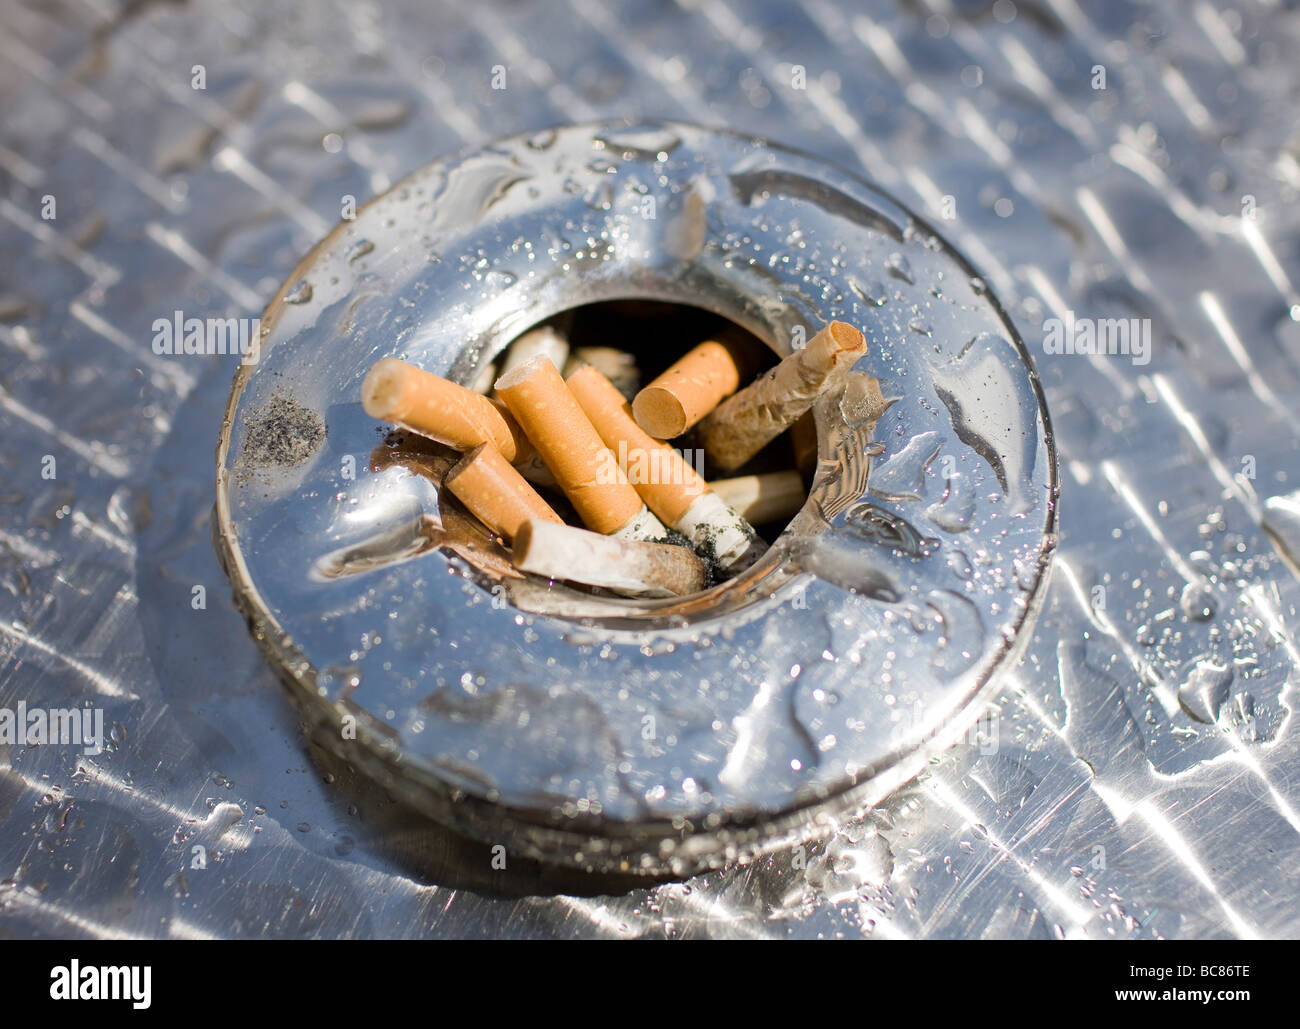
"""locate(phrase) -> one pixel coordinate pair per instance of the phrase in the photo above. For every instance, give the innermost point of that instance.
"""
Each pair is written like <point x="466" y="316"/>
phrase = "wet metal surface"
<point x="1137" y="774"/>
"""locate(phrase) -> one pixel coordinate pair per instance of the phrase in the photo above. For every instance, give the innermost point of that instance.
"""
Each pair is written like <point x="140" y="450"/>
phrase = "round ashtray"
<point x="642" y="736"/>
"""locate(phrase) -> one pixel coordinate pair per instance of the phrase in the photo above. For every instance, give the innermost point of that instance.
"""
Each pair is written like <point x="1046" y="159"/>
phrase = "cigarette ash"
<point x="705" y="549"/>
<point x="282" y="433"/>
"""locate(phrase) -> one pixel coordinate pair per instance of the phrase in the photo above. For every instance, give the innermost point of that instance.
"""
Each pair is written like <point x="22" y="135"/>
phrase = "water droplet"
<point x="543" y="140"/>
<point x="873" y="293"/>
<point x="954" y="511"/>
<point x="300" y="293"/>
<point x="902" y="476"/>
<point x="1205" y="690"/>
<point x="994" y="413"/>
<point x="1197" y="602"/>
<point x="900" y="268"/>
<point x="876" y="525"/>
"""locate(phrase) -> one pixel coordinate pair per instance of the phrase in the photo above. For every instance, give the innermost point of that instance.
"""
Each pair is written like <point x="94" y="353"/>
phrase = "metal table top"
<point x="1137" y="775"/>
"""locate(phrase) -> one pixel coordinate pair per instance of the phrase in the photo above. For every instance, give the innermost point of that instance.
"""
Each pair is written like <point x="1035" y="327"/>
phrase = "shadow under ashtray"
<point x="382" y="826"/>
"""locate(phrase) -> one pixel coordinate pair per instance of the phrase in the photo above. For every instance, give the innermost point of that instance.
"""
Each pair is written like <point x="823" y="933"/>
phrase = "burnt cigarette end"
<point x="671" y="488"/>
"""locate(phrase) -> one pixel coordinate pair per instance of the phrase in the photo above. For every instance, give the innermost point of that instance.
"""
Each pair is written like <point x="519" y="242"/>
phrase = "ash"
<point x="282" y="433"/>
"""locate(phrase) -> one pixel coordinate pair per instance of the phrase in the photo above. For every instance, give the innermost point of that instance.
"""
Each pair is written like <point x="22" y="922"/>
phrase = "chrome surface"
<point x="1138" y="775"/>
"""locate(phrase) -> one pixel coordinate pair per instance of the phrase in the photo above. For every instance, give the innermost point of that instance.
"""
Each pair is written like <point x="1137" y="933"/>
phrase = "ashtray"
<point x="656" y="736"/>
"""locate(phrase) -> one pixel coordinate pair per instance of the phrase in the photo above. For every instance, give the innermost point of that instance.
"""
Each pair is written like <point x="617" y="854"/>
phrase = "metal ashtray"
<point x="657" y="737"/>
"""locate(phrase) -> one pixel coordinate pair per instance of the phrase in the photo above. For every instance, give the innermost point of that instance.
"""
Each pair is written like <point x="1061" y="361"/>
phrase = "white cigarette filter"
<point x="630" y="567"/>
<point x="671" y="488"/>
<point x="584" y="468"/>
<point x="544" y="340"/>
<point x="760" y="499"/>
<point x="747" y="421"/>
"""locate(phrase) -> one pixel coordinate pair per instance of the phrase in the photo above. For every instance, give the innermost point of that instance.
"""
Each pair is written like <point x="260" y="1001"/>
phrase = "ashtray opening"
<point x="630" y="342"/>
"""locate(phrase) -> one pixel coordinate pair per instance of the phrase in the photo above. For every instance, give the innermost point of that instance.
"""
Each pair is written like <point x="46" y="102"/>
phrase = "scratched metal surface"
<point x="1142" y="775"/>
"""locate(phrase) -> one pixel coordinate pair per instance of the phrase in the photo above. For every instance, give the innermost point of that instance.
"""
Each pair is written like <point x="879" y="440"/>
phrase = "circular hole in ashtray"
<point x="631" y="341"/>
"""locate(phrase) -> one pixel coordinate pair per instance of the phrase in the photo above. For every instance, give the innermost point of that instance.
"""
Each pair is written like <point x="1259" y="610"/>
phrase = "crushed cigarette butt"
<point x="748" y="420"/>
<point x="671" y="488"/>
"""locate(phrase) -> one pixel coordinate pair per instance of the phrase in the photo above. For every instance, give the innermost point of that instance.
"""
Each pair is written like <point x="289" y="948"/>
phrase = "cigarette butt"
<point x="689" y="389"/>
<point x="544" y="340"/>
<point x="803" y="439"/>
<point x="583" y="466"/>
<point x="626" y="566"/>
<point x="747" y="421"/>
<point x="656" y="470"/>
<point x="618" y="366"/>
<point x="720" y="535"/>
<point x="645" y="526"/>
<point x="487" y="484"/>
<point x="398" y="392"/>
<point x="459" y="532"/>
<point x="483" y="381"/>
<point x="671" y="488"/>
<point x="759" y="499"/>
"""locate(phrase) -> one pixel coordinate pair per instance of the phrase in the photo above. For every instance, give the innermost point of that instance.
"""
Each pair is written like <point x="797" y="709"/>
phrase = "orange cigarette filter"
<point x="399" y="392"/>
<point x="691" y="388"/>
<point x="554" y="422"/>
<point x="487" y="484"/>
<point x="666" y="483"/>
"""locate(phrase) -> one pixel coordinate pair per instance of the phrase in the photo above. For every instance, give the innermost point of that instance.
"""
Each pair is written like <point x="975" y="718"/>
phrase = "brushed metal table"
<point x="1138" y="774"/>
